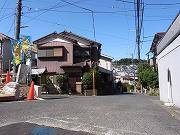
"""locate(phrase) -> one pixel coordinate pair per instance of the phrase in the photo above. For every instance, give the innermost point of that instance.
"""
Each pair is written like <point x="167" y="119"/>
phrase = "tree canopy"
<point x="127" y="61"/>
<point x="147" y="77"/>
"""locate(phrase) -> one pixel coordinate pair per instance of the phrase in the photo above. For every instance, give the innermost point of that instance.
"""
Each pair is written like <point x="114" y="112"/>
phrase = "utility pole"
<point x="94" y="89"/>
<point x="139" y="11"/>
<point x="138" y="29"/>
<point x="134" y="79"/>
<point x="18" y="25"/>
<point x="18" y="18"/>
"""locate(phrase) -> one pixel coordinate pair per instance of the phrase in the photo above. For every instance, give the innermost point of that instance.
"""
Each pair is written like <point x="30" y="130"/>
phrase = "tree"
<point x="87" y="81"/>
<point x="127" y="61"/>
<point x="147" y="77"/>
<point x="62" y="83"/>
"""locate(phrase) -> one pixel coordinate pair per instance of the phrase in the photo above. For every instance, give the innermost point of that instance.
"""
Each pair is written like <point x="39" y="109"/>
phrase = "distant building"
<point x="125" y="73"/>
<point x="168" y="55"/>
<point x="105" y="66"/>
<point x="5" y="53"/>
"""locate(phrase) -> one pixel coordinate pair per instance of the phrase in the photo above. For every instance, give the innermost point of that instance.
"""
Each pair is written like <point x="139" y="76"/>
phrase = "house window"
<point x="81" y="53"/>
<point x="49" y="53"/>
<point x="54" y="52"/>
<point x="58" y="52"/>
<point x="41" y="53"/>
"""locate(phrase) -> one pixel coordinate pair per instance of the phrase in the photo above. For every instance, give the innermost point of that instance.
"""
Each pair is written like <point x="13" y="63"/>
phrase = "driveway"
<point x="102" y="115"/>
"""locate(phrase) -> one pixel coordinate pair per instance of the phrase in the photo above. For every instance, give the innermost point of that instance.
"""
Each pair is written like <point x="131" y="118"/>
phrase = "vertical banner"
<point x="16" y="51"/>
<point x="26" y="49"/>
<point x="21" y="50"/>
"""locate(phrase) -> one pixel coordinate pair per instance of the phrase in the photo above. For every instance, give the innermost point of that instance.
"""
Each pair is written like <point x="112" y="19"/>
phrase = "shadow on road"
<point x="128" y="93"/>
<point x="53" y="97"/>
<point x="25" y="128"/>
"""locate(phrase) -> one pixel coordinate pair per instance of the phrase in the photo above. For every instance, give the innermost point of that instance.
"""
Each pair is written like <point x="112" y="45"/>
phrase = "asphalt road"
<point x="78" y="115"/>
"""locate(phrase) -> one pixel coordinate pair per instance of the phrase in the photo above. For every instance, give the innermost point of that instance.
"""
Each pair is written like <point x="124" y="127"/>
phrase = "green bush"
<point x="61" y="78"/>
<point x="62" y="83"/>
<point x="87" y="81"/>
<point x="126" y="87"/>
<point x="147" y="77"/>
<point x="153" y="92"/>
<point x="48" y="80"/>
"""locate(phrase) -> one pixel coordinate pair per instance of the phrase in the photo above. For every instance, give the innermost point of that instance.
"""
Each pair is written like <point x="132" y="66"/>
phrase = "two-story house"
<point x="68" y="53"/>
<point x="153" y="49"/>
<point x="105" y="68"/>
<point x="5" y="53"/>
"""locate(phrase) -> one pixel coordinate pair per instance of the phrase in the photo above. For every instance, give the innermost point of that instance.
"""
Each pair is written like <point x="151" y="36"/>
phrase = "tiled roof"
<point x="52" y="44"/>
<point x="3" y="36"/>
<point x="45" y="37"/>
<point x="77" y="37"/>
<point x="157" y="37"/>
<point x="67" y="36"/>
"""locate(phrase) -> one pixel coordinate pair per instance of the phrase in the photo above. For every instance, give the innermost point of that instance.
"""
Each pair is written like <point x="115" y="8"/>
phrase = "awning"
<point x="103" y="70"/>
<point x="38" y="71"/>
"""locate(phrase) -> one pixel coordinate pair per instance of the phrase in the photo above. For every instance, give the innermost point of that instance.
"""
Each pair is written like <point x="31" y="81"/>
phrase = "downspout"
<point x="169" y="85"/>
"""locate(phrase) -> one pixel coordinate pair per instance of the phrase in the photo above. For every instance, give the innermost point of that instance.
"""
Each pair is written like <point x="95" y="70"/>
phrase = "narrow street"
<point x="102" y="115"/>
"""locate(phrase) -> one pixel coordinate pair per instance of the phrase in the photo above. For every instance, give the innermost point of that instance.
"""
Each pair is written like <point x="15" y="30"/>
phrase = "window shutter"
<point x="41" y="53"/>
<point x="49" y="53"/>
<point x="58" y="52"/>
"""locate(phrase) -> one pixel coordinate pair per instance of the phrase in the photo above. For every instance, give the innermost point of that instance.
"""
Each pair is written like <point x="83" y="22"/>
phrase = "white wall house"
<point x="105" y="65"/>
<point x="168" y="59"/>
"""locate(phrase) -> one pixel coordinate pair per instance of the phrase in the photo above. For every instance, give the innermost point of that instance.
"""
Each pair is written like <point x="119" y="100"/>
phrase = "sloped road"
<point x="78" y="115"/>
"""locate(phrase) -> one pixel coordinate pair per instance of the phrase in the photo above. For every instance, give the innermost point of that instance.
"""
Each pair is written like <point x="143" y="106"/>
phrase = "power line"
<point x="53" y="7"/>
<point x="92" y="14"/>
<point x="162" y="4"/>
<point x="158" y="19"/>
<point x="3" y="6"/>
<point x="96" y="12"/>
<point x="151" y="4"/>
<point x="63" y="25"/>
<point x="11" y="26"/>
<point x="77" y="6"/>
<point x="6" y="17"/>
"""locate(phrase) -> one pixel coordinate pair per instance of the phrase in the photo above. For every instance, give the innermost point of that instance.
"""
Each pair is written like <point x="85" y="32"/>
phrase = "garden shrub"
<point x="87" y="81"/>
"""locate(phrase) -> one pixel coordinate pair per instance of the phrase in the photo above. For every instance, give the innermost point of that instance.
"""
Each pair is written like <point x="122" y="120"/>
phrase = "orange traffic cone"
<point x="8" y="78"/>
<point x="31" y="92"/>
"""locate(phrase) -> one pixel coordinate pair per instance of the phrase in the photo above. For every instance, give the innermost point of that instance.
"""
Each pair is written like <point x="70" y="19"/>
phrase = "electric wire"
<point x="11" y="26"/>
<point x="92" y="14"/>
<point x="3" y="6"/>
<point x="47" y="10"/>
<point x="151" y="4"/>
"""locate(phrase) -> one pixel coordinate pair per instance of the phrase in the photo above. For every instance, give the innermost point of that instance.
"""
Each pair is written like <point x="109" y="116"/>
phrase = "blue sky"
<point x="114" y="21"/>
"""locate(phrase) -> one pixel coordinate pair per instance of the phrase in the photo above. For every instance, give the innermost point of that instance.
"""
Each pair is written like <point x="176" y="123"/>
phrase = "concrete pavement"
<point x="102" y="115"/>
